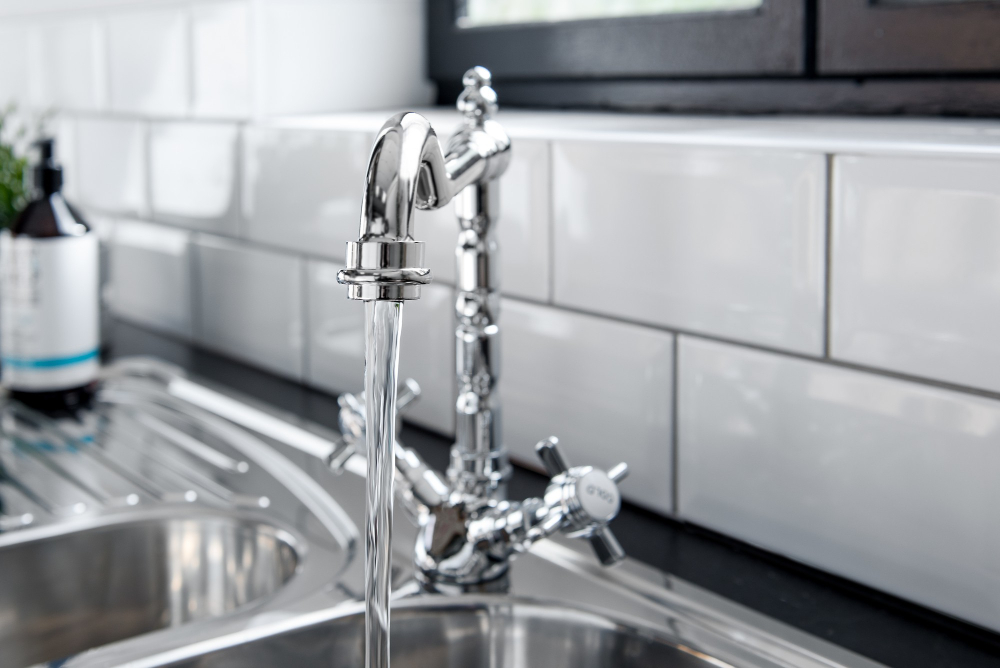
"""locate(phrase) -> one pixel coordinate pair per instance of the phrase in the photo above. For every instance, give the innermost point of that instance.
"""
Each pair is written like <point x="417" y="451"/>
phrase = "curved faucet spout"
<point x="408" y="170"/>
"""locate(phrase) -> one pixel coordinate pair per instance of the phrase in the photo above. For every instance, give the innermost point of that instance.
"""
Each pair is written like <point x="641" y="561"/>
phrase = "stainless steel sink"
<point x="469" y="632"/>
<point x="151" y="520"/>
<point x="184" y="526"/>
<point x="86" y="587"/>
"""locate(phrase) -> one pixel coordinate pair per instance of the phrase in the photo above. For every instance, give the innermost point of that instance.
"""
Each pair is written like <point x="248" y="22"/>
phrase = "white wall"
<point x="787" y="326"/>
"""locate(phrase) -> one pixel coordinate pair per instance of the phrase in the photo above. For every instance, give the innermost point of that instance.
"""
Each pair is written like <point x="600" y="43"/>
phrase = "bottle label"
<point x="49" y="326"/>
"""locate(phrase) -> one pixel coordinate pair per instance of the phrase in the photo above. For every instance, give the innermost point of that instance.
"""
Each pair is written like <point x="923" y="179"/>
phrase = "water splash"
<point x="383" y="321"/>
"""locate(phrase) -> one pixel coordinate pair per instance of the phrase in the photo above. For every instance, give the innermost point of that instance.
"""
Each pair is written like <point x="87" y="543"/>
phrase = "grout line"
<point x="828" y="257"/>
<point x="146" y="210"/>
<point x="551" y="222"/>
<point x="674" y="427"/>
<point x="188" y="12"/>
<point x="137" y="117"/>
<point x="747" y="345"/>
<point x="242" y="225"/>
<point x="304" y="321"/>
<point x="194" y="290"/>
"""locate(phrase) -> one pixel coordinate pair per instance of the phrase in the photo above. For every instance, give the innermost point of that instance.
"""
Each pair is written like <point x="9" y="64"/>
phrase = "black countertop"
<point x="873" y="624"/>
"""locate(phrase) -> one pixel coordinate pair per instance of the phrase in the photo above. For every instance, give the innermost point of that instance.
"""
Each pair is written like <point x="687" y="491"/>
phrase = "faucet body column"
<point x="468" y="530"/>
<point x="479" y="465"/>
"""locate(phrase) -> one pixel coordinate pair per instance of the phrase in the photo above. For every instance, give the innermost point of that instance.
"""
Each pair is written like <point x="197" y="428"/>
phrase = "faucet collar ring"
<point x="384" y="270"/>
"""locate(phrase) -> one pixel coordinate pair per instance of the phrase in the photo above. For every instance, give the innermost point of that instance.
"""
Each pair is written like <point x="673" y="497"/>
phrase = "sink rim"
<point x="165" y="512"/>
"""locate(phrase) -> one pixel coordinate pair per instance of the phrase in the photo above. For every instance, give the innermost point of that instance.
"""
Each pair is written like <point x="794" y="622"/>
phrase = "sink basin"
<point x="471" y="632"/>
<point x="180" y="526"/>
<point x="81" y="589"/>
<point x="146" y="524"/>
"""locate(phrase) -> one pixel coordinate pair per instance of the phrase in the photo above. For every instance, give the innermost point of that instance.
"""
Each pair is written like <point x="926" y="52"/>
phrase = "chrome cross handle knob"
<point x="585" y="499"/>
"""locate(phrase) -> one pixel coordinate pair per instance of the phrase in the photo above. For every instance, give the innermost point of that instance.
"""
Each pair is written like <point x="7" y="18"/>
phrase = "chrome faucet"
<point x="468" y="530"/>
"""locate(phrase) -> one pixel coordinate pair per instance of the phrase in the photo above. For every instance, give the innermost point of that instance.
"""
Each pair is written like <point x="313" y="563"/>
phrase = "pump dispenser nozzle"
<point x="48" y="177"/>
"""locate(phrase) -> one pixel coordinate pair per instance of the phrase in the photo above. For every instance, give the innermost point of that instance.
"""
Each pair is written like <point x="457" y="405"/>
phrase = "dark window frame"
<point x="798" y="56"/>
<point x="862" y="37"/>
<point x="767" y="40"/>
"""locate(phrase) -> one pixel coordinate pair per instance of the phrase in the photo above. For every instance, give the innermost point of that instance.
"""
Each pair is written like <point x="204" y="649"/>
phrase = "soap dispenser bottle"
<point x="49" y="311"/>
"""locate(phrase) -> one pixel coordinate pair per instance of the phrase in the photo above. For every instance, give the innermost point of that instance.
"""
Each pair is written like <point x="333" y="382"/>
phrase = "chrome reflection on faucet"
<point x="468" y="530"/>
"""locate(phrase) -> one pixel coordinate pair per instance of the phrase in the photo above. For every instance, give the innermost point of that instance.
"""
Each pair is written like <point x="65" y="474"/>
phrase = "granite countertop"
<point x="876" y="625"/>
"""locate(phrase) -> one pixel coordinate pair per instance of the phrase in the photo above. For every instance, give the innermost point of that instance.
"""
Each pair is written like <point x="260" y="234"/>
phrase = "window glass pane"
<point x="496" y="12"/>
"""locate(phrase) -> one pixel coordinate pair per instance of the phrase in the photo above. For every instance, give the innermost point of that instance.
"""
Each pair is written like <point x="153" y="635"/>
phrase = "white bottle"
<point x="49" y="311"/>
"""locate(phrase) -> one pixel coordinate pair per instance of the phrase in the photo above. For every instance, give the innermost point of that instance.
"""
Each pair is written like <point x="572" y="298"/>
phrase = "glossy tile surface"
<point x="69" y="63"/>
<point x="302" y="189"/>
<point x="883" y="481"/>
<point x="331" y="37"/>
<point x="726" y="242"/>
<point x="194" y="175"/>
<point x="337" y="345"/>
<point x="111" y="155"/>
<point x="249" y="304"/>
<point x="220" y="48"/>
<point x="603" y="387"/>
<point x="150" y="276"/>
<point x="14" y="76"/>
<point x="150" y="62"/>
<point x="916" y="267"/>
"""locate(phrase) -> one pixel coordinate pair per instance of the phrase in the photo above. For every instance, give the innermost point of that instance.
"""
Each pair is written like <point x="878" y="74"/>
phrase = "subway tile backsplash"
<point x="300" y="187"/>
<point x="888" y="482"/>
<point x="111" y="165"/>
<point x="150" y="272"/>
<point x="801" y="313"/>
<point x="604" y="388"/>
<point x="194" y="175"/>
<point x="722" y="241"/>
<point x="221" y="84"/>
<point x="302" y="43"/>
<point x="336" y="356"/>
<point x="65" y="52"/>
<point x="149" y="60"/>
<point x="916" y="266"/>
<point x="249" y="304"/>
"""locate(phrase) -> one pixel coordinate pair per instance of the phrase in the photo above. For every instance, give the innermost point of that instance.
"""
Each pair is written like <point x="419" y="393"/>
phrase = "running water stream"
<point x="383" y="320"/>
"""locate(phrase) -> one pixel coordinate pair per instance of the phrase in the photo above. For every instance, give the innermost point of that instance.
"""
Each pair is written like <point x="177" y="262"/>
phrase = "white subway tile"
<point x="427" y="354"/>
<point x="194" y="175"/>
<point x="522" y="230"/>
<point x="336" y="332"/>
<point x="70" y="63"/>
<point x="150" y="276"/>
<point x="111" y="158"/>
<point x="603" y="387"/>
<point x="886" y="482"/>
<point x="220" y="43"/>
<point x="337" y="345"/>
<point x="729" y="242"/>
<point x="310" y="55"/>
<point x="524" y="227"/>
<point x="249" y="304"/>
<point x="14" y="74"/>
<point x="149" y="53"/>
<point x="302" y="188"/>
<point x="916" y="266"/>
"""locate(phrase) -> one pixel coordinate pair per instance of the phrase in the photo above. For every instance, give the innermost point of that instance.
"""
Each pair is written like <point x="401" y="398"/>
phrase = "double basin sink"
<point x="177" y="525"/>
